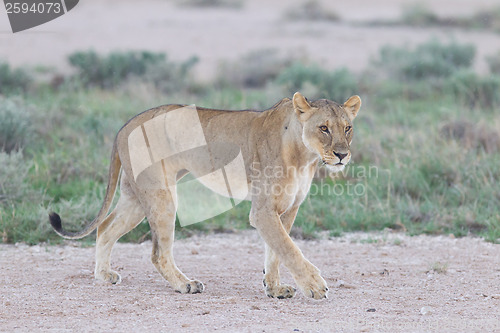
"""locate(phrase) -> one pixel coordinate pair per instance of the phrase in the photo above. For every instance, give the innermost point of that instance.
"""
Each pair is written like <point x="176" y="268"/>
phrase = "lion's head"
<point x="327" y="128"/>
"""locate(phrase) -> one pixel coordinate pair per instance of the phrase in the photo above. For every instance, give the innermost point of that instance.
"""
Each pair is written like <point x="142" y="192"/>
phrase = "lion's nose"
<point x="340" y="155"/>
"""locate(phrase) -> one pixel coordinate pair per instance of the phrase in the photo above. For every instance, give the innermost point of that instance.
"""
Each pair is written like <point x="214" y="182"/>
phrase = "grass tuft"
<point x="16" y="127"/>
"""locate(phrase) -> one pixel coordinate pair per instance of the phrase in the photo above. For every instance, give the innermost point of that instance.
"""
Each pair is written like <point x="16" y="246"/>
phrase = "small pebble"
<point x="371" y="310"/>
<point x="339" y="284"/>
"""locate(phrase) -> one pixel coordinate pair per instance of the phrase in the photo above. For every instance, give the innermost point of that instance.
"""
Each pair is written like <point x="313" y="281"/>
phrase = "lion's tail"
<point x="114" y="173"/>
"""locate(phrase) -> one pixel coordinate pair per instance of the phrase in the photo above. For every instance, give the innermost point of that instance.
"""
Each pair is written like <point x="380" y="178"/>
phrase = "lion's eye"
<point x="348" y="128"/>
<point x="324" y="129"/>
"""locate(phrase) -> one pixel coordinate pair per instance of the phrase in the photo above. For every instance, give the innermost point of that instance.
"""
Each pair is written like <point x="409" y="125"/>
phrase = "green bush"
<point x="13" y="80"/>
<point x="418" y="14"/>
<point x="412" y="91"/>
<point x="475" y="90"/>
<point x="253" y="70"/>
<point x="427" y="61"/>
<point x="494" y="63"/>
<point x="118" y="68"/>
<point x="311" y="10"/>
<point x="110" y="71"/>
<point x="15" y="124"/>
<point x="211" y="3"/>
<point x="487" y="19"/>
<point x="316" y="82"/>
<point x="169" y="77"/>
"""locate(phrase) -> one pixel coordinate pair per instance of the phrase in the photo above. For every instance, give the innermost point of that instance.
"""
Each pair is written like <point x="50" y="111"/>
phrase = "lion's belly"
<point x="222" y="170"/>
<point x="227" y="184"/>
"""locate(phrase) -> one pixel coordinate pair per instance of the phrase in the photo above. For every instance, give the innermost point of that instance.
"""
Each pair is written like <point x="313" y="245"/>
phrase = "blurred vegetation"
<point x="311" y="10"/>
<point x="13" y="80"/>
<point x="425" y="153"/>
<point x="253" y="70"/>
<point x="428" y="60"/>
<point x="494" y="63"/>
<point x="109" y="71"/>
<point x="474" y="90"/>
<point x="488" y="19"/>
<point x="434" y="69"/>
<point x="418" y="14"/>
<point x="316" y="82"/>
<point x="117" y="68"/>
<point x="212" y="3"/>
<point x="16" y="129"/>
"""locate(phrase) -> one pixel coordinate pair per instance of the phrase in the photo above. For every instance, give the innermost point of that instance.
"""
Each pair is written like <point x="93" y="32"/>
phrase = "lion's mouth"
<point x="326" y="163"/>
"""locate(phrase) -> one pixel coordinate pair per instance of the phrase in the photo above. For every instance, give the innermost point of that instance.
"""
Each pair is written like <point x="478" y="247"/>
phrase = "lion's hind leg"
<point x="272" y="284"/>
<point x="127" y="214"/>
<point x="161" y="218"/>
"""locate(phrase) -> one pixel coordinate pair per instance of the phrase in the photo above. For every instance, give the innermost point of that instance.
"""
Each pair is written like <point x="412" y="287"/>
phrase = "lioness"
<point x="293" y="135"/>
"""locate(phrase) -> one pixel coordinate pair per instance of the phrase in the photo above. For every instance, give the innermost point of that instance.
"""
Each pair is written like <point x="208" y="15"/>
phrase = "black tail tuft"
<point x="55" y="221"/>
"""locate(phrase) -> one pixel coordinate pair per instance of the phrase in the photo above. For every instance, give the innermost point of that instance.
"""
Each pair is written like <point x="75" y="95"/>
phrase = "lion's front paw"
<point x="190" y="287"/>
<point x="315" y="288"/>
<point x="108" y="276"/>
<point x="312" y="284"/>
<point x="280" y="291"/>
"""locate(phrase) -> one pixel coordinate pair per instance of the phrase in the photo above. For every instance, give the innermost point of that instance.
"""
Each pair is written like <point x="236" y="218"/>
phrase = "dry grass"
<point x="472" y="135"/>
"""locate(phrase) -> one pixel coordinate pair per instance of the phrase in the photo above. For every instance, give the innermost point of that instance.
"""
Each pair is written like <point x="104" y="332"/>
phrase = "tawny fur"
<point x="294" y="135"/>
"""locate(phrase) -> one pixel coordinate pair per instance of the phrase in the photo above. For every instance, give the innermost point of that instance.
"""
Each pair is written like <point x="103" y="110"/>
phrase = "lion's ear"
<point x="301" y="106"/>
<point x="352" y="106"/>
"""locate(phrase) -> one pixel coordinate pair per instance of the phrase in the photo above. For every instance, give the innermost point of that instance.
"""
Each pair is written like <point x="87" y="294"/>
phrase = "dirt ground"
<point x="384" y="282"/>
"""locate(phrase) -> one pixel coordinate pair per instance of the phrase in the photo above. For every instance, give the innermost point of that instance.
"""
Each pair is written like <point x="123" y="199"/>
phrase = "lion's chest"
<point x="295" y="189"/>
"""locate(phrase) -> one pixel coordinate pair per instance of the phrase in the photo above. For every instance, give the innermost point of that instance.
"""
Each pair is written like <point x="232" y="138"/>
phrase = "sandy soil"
<point x="378" y="283"/>
<point x="216" y="35"/>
